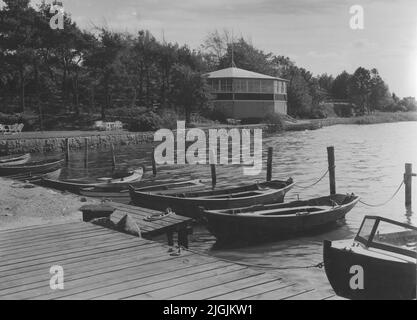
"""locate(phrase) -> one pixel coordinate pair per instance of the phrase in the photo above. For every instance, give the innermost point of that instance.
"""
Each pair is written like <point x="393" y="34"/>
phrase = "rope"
<point x="318" y="265"/>
<point x="312" y="185"/>
<point x="386" y="202"/>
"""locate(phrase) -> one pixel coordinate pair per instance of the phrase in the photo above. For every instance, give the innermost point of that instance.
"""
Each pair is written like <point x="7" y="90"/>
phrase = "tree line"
<point x="102" y="72"/>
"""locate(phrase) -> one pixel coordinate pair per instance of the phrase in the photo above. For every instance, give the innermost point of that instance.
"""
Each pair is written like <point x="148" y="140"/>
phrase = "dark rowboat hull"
<point x="383" y="278"/>
<point x="280" y="221"/>
<point x="31" y="168"/>
<point x="188" y="204"/>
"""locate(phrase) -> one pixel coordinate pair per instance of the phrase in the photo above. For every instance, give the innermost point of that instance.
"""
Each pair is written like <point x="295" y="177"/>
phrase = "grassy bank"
<point x="375" y="118"/>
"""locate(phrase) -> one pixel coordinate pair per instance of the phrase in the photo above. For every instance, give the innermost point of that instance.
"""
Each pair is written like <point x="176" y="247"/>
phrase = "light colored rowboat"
<point x="14" y="160"/>
<point x="75" y="186"/>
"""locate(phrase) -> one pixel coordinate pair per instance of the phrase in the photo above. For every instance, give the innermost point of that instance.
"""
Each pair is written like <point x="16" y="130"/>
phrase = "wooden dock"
<point x="100" y="263"/>
<point x="166" y="225"/>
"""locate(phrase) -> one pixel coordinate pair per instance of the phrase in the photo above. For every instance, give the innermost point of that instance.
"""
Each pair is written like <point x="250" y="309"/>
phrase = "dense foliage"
<point x="53" y="74"/>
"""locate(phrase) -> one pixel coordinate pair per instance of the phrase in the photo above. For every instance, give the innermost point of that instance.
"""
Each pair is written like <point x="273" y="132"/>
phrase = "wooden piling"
<point x="67" y="150"/>
<point x="269" y="164"/>
<point x="408" y="177"/>
<point x="170" y="237"/>
<point x="332" y="167"/>
<point x="86" y="153"/>
<point x="154" y="171"/>
<point x="183" y="238"/>
<point x="113" y="157"/>
<point x="213" y="175"/>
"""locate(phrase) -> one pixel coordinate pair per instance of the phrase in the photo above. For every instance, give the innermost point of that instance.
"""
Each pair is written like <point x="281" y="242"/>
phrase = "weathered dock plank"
<point x="149" y="229"/>
<point x="313" y="295"/>
<point x="101" y="263"/>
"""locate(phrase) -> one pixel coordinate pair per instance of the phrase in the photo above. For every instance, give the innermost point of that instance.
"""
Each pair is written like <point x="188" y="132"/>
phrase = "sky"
<point x="316" y="34"/>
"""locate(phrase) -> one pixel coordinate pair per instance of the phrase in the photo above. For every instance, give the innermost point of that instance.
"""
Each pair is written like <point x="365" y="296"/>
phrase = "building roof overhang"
<point x="238" y="73"/>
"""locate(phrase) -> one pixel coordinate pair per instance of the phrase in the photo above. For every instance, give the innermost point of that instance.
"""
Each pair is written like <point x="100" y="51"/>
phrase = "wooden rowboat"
<point x="33" y="168"/>
<point x="379" y="264"/>
<point x="188" y="203"/>
<point x="123" y="196"/>
<point x="36" y="178"/>
<point x="117" y="182"/>
<point x="14" y="160"/>
<point x="277" y="220"/>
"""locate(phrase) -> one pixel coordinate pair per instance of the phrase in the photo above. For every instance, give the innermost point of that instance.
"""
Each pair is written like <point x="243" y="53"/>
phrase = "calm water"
<point x="369" y="162"/>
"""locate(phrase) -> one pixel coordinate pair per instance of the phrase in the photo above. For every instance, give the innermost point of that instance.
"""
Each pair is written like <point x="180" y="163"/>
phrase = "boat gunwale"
<point x="68" y="183"/>
<point x="12" y="159"/>
<point x="36" y="165"/>
<point x="248" y="216"/>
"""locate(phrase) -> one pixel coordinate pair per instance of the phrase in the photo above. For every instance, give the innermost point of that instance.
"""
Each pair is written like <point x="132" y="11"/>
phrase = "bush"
<point x="344" y="110"/>
<point x="125" y="112"/>
<point x="149" y="121"/>
<point x="216" y="115"/>
<point x="275" y="122"/>
<point x="29" y="120"/>
<point x="319" y="112"/>
<point x="247" y="121"/>
<point x="168" y="118"/>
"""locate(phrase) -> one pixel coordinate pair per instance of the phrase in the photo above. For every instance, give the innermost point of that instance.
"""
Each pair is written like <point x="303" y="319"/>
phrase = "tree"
<point x="216" y="44"/>
<point x="18" y="40"/>
<point x="190" y="89"/>
<point x="247" y="57"/>
<point x="300" y="101"/>
<point x="104" y="62"/>
<point x="360" y="85"/>
<point x="325" y="82"/>
<point x="379" y="97"/>
<point x="340" y="86"/>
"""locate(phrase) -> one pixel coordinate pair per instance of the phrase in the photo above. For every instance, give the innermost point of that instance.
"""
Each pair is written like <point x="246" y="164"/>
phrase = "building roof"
<point x="239" y="73"/>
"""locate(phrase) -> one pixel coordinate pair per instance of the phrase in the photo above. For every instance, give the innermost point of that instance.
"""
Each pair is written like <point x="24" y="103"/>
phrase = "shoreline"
<point x="24" y="205"/>
<point x="55" y="141"/>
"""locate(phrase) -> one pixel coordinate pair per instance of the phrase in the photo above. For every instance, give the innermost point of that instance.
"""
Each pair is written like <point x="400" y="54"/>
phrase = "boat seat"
<point x="283" y="211"/>
<point x="234" y="195"/>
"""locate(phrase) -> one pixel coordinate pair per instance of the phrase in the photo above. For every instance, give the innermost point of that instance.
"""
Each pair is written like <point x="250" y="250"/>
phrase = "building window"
<point x="214" y="84"/>
<point x="254" y="86"/>
<point x="240" y="85"/>
<point x="267" y="86"/>
<point x="226" y="85"/>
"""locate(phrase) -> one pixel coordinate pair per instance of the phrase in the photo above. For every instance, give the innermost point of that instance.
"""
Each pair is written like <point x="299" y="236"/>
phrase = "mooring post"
<point x="154" y="171"/>
<point x="332" y="167"/>
<point x="86" y="153"/>
<point x="170" y="237"/>
<point x="408" y="177"/>
<point x="67" y="150"/>
<point x="113" y="157"/>
<point x="269" y="164"/>
<point x="183" y="237"/>
<point x="212" y="161"/>
<point x="213" y="176"/>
